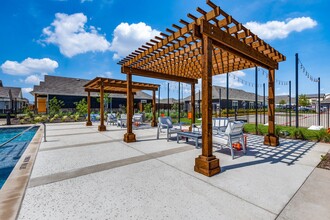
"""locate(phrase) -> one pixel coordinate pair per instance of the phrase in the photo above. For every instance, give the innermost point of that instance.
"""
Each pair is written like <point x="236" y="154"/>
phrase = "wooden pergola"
<point x="106" y="85"/>
<point x="211" y="44"/>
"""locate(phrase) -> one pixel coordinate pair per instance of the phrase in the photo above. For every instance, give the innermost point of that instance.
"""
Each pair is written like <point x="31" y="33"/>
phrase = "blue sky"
<point x="85" y="38"/>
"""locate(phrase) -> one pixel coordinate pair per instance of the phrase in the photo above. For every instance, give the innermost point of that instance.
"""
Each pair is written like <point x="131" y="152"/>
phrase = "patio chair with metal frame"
<point x="166" y="123"/>
<point x="233" y="134"/>
<point x="111" y="118"/>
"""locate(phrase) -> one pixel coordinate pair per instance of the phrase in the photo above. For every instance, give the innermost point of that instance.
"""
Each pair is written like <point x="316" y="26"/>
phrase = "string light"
<point x="307" y="74"/>
<point x="279" y="82"/>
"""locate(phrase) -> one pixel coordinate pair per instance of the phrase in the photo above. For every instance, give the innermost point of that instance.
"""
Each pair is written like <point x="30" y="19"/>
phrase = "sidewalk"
<point x="82" y="173"/>
<point x="312" y="201"/>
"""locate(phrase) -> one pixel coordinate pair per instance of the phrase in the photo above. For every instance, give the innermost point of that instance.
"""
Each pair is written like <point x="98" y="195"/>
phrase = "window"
<point x="235" y="104"/>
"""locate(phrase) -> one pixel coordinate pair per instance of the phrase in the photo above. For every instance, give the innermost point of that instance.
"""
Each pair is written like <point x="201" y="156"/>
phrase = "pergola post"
<point x="129" y="136"/>
<point x="153" y="122"/>
<point x="192" y="105"/>
<point x="271" y="139"/>
<point x="102" y="126"/>
<point x="88" y="123"/>
<point x="207" y="164"/>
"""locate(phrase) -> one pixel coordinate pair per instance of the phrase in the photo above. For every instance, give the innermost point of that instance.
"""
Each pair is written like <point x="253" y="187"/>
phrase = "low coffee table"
<point x="193" y="135"/>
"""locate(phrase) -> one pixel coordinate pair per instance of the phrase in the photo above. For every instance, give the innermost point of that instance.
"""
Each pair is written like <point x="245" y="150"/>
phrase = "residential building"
<point x="71" y="90"/>
<point x="238" y="99"/>
<point x="11" y="99"/>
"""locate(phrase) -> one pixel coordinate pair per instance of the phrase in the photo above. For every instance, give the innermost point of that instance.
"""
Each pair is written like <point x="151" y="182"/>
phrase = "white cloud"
<point x="82" y="1"/>
<point x="221" y="80"/>
<point x="29" y="66"/>
<point x="26" y="90"/>
<point x="107" y="74"/>
<point x="71" y="35"/>
<point x="280" y="29"/>
<point x="128" y="37"/>
<point x="33" y="79"/>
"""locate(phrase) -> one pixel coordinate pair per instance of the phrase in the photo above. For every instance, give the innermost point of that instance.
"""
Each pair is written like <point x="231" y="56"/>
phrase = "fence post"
<point x="227" y="91"/>
<point x="328" y="114"/>
<point x="159" y="101"/>
<point x="264" y="103"/>
<point x="256" y="98"/>
<point x="179" y="107"/>
<point x="168" y="99"/>
<point x="297" y="98"/>
<point x="319" y="101"/>
<point x="290" y="106"/>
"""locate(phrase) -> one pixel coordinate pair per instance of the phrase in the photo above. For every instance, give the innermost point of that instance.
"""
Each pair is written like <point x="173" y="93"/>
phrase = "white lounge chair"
<point x="233" y="134"/>
<point x="111" y="118"/>
<point x="166" y="123"/>
<point x="122" y="121"/>
<point x="219" y="124"/>
<point x="137" y="119"/>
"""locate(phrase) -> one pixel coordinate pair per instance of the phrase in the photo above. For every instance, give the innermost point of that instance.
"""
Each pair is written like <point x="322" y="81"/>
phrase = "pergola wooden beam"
<point x="107" y="91"/>
<point x="156" y="75"/>
<point x="107" y="85"/>
<point x="227" y="42"/>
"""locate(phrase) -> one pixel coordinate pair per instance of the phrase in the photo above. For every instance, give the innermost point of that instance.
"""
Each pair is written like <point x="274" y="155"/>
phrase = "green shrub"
<point x="64" y="118"/>
<point x="55" y="106"/>
<point x="38" y="119"/>
<point x="81" y="107"/>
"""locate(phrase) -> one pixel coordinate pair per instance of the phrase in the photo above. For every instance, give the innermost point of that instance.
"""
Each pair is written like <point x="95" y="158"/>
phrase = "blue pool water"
<point x="11" y="152"/>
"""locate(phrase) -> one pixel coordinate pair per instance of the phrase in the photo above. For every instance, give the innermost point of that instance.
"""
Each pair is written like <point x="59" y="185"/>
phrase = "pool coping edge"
<point x="13" y="191"/>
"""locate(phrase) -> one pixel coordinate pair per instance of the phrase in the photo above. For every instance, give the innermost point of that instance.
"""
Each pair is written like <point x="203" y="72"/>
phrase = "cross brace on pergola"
<point x="215" y="43"/>
<point x="106" y="85"/>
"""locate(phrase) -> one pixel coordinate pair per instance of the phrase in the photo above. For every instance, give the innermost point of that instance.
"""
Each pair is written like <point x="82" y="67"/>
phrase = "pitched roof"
<point x="16" y="92"/>
<point x="171" y="101"/>
<point x="234" y="94"/>
<point x="57" y="85"/>
<point x="326" y="101"/>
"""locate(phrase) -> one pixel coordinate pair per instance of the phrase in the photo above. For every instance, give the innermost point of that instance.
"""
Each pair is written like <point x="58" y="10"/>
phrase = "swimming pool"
<point x="11" y="152"/>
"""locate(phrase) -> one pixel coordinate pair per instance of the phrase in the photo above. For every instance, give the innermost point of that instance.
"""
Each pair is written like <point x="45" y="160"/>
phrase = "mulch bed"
<point x="325" y="162"/>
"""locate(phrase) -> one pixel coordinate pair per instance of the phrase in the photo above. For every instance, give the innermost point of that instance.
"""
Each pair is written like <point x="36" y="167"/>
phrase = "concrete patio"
<point x="81" y="173"/>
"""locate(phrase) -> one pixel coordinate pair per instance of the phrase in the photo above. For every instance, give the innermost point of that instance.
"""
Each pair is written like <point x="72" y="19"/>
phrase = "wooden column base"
<point x="129" y="137"/>
<point x="89" y="123"/>
<point x="190" y="128"/>
<point x="271" y="140"/>
<point x="207" y="166"/>
<point x="153" y="124"/>
<point x="102" y="128"/>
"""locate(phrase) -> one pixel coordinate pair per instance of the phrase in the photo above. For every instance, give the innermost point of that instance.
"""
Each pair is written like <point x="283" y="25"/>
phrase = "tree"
<point x="303" y="101"/>
<point x="81" y="107"/>
<point x="55" y="106"/>
<point x="282" y="102"/>
<point x="147" y="107"/>
<point x="106" y="99"/>
<point x="175" y="107"/>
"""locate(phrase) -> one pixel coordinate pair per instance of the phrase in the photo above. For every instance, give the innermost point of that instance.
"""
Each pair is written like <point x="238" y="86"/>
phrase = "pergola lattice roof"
<point x="117" y="86"/>
<point x="177" y="55"/>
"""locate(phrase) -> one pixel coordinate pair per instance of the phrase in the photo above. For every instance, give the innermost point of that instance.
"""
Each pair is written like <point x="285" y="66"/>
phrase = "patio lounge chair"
<point x="137" y="119"/>
<point x="233" y="134"/>
<point x="166" y="123"/>
<point x="122" y="121"/>
<point x="111" y="118"/>
<point x="219" y="124"/>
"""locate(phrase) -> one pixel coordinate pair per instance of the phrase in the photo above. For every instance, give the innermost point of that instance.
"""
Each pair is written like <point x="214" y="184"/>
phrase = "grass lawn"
<point x="291" y="132"/>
